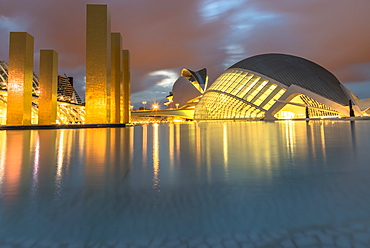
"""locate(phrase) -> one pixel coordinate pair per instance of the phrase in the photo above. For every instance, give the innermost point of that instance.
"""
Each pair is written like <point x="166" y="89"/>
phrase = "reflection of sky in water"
<point x="182" y="179"/>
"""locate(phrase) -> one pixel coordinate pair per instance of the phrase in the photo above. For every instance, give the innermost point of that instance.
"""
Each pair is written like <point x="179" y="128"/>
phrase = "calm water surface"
<point x="182" y="180"/>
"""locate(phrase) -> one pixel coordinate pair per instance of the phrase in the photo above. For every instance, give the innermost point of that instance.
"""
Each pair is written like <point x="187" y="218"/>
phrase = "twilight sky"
<point x="164" y="36"/>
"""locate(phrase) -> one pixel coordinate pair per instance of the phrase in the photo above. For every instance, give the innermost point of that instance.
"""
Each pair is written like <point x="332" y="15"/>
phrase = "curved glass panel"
<point x="238" y="94"/>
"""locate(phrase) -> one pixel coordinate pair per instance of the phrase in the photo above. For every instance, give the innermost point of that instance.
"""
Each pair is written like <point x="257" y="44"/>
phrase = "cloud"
<point x="331" y="33"/>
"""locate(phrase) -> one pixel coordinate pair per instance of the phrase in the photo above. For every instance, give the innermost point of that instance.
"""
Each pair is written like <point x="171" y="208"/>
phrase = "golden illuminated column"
<point x="125" y="107"/>
<point x="116" y="77"/>
<point x="98" y="64"/>
<point x="20" y="74"/>
<point x="48" y="82"/>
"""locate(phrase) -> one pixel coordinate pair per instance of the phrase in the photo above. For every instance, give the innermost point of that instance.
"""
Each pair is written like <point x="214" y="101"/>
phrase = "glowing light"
<point x="155" y="106"/>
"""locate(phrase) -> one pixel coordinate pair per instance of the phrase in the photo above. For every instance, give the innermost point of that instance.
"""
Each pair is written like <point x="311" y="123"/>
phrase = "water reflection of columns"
<point x="2" y="159"/>
<point x="156" y="168"/>
<point x="131" y="144"/>
<point x="17" y="155"/>
<point x="96" y="157"/>
<point x="61" y="150"/>
<point x="36" y="165"/>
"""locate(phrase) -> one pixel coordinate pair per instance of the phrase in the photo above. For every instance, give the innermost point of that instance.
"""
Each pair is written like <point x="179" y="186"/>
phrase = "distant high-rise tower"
<point x="66" y="91"/>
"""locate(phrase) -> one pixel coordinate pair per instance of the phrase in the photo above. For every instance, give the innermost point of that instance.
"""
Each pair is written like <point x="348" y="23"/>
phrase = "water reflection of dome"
<point x="271" y="86"/>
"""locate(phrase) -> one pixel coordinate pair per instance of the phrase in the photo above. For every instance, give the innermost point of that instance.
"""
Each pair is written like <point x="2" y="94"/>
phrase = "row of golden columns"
<point x="107" y="76"/>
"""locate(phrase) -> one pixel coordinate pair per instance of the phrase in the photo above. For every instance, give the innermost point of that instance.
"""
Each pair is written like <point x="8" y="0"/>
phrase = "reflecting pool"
<point x="183" y="181"/>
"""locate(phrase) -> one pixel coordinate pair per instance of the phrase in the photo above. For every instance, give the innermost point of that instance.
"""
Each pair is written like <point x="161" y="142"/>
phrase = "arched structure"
<point x="188" y="89"/>
<point x="276" y="86"/>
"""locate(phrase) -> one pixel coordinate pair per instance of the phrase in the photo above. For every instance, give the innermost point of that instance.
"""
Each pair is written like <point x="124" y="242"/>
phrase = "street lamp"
<point x="143" y="102"/>
<point x="155" y="106"/>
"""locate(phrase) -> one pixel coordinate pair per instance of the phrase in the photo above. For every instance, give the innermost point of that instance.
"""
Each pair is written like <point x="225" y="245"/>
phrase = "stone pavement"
<point x="347" y="235"/>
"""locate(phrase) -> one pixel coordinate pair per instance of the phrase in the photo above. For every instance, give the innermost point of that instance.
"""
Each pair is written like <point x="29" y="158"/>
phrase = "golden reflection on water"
<point x="2" y="158"/>
<point x="290" y="137"/>
<point x="171" y="145"/>
<point x="213" y="150"/>
<point x="60" y="155"/>
<point x="17" y="154"/>
<point x="198" y="152"/>
<point x="145" y="144"/>
<point x="317" y="135"/>
<point x="208" y="143"/>
<point x="177" y="141"/>
<point x="323" y="145"/>
<point x="129" y="144"/>
<point x="311" y="138"/>
<point x="155" y="155"/>
<point x="96" y="156"/>
<point x="36" y="165"/>
<point x="225" y="151"/>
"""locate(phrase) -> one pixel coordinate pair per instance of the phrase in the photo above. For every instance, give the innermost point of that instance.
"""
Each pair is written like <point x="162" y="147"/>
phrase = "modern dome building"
<point x="278" y="86"/>
<point x="188" y="89"/>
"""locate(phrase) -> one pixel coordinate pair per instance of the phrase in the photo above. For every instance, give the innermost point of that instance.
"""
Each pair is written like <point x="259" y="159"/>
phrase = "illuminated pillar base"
<point x="20" y="74"/>
<point x="48" y="87"/>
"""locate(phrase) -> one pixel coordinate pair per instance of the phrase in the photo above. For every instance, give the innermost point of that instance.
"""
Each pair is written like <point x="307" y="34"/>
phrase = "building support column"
<point x="126" y="104"/>
<point x="48" y="83"/>
<point x="116" y="77"/>
<point x="20" y="75"/>
<point x="98" y="64"/>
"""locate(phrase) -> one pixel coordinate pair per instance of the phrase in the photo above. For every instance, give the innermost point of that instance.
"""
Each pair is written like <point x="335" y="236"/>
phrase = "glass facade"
<point x="238" y="94"/>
